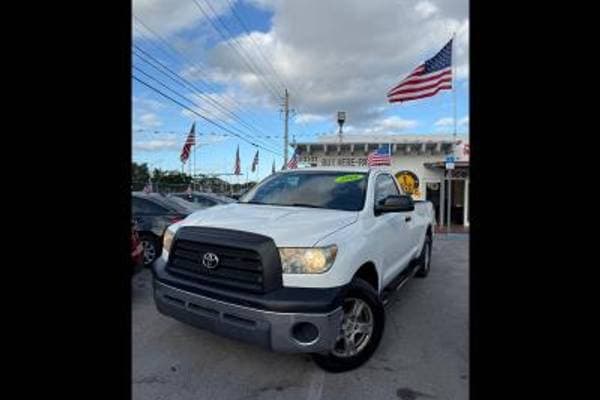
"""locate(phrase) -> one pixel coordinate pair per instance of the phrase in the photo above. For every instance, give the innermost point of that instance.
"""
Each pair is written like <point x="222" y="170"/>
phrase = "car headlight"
<point x="168" y="239"/>
<point x="307" y="260"/>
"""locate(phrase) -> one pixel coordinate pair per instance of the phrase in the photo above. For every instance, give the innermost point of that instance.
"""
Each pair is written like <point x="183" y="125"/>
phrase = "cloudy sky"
<point x="230" y="60"/>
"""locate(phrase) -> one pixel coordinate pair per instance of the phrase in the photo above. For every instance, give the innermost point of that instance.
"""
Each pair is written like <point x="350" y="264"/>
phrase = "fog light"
<point x="305" y="332"/>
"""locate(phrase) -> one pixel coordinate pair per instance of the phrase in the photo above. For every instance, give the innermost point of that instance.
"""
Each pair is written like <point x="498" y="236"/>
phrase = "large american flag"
<point x="237" y="169"/>
<point x="189" y="142"/>
<point x="293" y="163"/>
<point x="381" y="156"/>
<point x="427" y="79"/>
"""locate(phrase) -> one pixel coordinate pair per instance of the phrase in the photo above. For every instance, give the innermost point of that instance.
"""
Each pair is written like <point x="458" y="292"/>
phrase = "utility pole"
<point x="285" y="132"/>
<point x="341" y="118"/>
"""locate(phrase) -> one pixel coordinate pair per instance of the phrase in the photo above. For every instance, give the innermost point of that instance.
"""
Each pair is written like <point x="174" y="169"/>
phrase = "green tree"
<point x="139" y="175"/>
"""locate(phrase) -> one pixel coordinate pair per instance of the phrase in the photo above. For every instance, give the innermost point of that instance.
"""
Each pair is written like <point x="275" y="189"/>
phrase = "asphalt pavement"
<point x="424" y="352"/>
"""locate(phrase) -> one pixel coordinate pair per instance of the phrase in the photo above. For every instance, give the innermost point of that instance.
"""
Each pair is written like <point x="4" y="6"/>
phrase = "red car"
<point x="137" y="249"/>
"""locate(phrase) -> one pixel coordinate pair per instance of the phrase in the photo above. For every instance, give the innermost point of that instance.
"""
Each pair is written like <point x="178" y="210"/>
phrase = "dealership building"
<point x="417" y="161"/>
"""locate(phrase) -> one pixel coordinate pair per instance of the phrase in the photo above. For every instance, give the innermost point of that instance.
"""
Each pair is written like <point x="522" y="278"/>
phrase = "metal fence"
<point x="222" y="188"/>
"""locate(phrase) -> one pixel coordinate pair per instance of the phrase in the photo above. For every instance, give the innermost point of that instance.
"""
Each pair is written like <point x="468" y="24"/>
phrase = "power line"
<point x="265" y="59"/>
<point x="160" y="131"/>
<point x="210" y="121"/>
<point x="191" y="64"/>
<point x="191" y="86"/>
<point x="183" y="97"/>
<point x="242" y="49"/>
<point x="231" y="44"/>
<point x="192" y="102"/>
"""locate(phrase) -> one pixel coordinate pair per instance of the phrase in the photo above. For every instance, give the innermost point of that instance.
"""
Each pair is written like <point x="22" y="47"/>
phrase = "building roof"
<point x="329" y="169"/>
<point x="357" y="144"/>
<point x="442" y="164"/>
<point x="366" y="138"/>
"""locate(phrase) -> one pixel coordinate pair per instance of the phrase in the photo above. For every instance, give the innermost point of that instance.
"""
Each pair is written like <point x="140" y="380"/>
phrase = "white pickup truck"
<point x="304" y="262"/>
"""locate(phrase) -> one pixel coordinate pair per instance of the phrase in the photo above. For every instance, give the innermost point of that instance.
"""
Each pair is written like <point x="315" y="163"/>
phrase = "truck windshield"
<point x="315" y="189"/>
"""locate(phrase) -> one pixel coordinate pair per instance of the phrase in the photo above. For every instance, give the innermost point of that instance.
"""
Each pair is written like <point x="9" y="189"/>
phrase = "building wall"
<point x="400" y="162"/>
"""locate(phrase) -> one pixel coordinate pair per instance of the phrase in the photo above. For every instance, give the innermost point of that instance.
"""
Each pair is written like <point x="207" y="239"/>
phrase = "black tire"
<point x="424" y="260"/>
<point x="150" y="241"/>
<point x="358" y="289"/>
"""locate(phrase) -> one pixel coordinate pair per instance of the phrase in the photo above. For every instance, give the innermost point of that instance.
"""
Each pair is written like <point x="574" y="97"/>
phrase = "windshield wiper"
<point x="253" y="202"/>
<point x="281" y="205"/>
<point x="305" y="205"/>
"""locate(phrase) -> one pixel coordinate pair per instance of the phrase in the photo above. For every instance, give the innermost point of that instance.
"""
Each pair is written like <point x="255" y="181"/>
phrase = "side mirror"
<point x="395" y="204"/>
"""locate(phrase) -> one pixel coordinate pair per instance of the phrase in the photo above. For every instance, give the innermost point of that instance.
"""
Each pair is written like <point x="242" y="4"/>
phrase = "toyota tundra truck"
<point x="304" y="262"/>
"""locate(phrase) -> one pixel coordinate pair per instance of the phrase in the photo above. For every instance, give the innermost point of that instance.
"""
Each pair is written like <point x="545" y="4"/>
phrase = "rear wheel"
<point x="151" y="247"/>
<point x="361" y="330"/>
<point x="424" y="260"/>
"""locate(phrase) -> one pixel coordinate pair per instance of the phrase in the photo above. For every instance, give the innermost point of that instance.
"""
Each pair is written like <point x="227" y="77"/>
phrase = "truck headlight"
<point x="168" y="239"/>
<point x="307" y="260"/>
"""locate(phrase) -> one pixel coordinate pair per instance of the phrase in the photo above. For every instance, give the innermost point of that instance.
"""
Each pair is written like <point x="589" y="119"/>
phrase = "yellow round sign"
<point x="409" y="182"/>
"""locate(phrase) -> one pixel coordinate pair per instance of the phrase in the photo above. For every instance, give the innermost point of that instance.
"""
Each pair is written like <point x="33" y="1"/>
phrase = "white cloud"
<point x="426" y="8"/>
<point x="171" y="141"/>
<point x="156" y="145"/>
<point x="383" y="126"/>
<point x="174" y="16"/>
<point x="447" y="121"/>
<point x="335" y="57"/>
<point x="149" y="120"/>
<point x="308" y="118"/>
<point x="397" y="124"/>
<point x="147" y="104"/>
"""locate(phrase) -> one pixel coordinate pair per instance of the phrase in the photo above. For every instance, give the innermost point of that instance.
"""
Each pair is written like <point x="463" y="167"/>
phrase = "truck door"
<point x="392" y="230"/>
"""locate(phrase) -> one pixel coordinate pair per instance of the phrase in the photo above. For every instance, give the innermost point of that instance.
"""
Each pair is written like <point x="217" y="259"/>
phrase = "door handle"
<point x="407" y="219"/>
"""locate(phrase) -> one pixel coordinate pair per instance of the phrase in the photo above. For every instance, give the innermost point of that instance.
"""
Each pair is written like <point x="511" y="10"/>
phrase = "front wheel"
<point x="361" y="330"/>
<point x="151" y="246"/>
<point x="424" y="260"/>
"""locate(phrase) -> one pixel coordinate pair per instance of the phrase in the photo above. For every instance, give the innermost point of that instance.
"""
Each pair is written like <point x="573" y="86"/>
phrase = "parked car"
<point x="201" y="200"/>
<point x="304" y="262"/>
<point x="137" y="249"/>
<point x="153" y="213"/>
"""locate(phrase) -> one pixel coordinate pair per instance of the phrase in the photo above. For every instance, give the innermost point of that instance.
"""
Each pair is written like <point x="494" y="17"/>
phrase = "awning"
<point x="442" y="164"/>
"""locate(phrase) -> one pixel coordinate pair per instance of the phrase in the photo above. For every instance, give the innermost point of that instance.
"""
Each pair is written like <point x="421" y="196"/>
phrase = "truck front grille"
<point x="237" y="268"/>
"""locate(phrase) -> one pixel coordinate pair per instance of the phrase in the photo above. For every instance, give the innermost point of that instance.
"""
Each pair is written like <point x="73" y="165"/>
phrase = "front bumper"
<point x="269" y="329"/>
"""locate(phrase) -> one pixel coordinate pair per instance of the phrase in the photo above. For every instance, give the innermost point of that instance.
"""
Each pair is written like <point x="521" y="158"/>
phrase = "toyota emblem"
<point x="210" y="260"/>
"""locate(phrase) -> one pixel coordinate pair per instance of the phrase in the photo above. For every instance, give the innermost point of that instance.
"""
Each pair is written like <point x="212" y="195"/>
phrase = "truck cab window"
<point x="385" y="187"/>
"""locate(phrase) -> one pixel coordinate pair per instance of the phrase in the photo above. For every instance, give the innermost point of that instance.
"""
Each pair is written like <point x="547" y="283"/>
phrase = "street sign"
<point x="450" y="162"/>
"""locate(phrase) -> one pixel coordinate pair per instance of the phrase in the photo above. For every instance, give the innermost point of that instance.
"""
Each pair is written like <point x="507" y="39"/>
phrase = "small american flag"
<point x="293" y="163"/>
<point x="427" y="79"/>
<point x="381" y="156"/>
<point x="189" y="142"/>
<point x="255" y="161"/>
<point x="237" y="169"/>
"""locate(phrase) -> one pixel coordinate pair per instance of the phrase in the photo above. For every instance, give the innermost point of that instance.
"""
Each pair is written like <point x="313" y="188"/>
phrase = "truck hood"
<point x="288" y="226"/>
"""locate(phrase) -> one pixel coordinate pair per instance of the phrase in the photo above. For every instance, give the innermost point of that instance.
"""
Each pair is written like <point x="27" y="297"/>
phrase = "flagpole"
<point x="453" y="58"/>
<point x="449" y="172"/>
